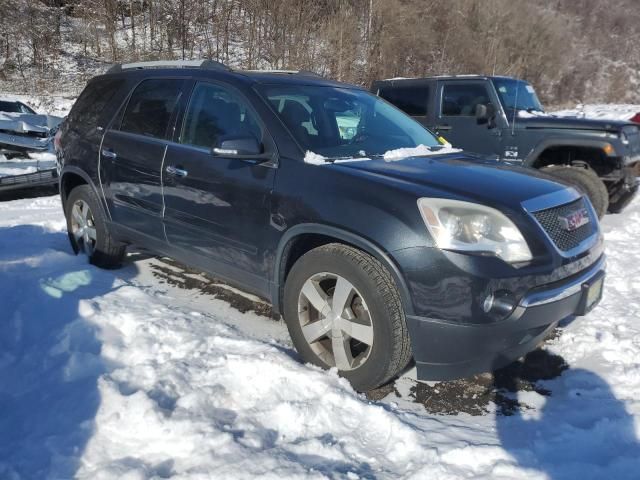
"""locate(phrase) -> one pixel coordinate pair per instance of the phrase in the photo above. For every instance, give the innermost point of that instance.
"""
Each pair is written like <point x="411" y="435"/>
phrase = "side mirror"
<point x="238" y="147"/>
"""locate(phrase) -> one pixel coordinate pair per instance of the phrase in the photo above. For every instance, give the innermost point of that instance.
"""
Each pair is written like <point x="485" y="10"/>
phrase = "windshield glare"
<point x="517" y="95"/>
<point x="344" y="123"/>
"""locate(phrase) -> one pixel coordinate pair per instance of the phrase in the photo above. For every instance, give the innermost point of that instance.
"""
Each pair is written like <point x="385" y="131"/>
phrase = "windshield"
<point x="344" y="123"/>
<point x="517" y="95"/>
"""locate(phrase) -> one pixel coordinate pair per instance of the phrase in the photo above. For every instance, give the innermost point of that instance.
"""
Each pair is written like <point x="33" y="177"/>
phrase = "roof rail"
<point x="288" y="72"/>
<point x="206" y="64"/>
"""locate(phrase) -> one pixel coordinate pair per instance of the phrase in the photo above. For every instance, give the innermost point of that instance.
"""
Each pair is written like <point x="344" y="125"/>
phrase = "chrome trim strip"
<point x="551" y="200"/>
<point x="565" y="291"/>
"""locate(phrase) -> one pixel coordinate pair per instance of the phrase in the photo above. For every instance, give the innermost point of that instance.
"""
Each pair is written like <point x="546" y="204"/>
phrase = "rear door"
<point x="456" y="117"/>
<point x="132" y="153"/>
<point x="215" y="206"/>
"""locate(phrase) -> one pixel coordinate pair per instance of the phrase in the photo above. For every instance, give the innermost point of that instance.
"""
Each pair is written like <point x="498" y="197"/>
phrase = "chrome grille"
<point x="565" y="240"/>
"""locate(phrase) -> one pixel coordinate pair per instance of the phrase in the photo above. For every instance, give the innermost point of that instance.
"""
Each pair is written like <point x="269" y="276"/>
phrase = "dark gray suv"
<point x="376" y="243"/>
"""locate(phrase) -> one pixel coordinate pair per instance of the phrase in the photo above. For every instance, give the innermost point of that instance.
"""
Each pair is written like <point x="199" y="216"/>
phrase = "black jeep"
<point x="503" y="118"/>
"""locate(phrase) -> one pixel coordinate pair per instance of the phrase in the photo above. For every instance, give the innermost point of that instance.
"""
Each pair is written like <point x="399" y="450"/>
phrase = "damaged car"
<point x="27" y="157"/>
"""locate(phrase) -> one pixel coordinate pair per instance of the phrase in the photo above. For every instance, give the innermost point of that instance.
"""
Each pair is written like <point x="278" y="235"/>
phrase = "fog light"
<point x="499" y="304"/>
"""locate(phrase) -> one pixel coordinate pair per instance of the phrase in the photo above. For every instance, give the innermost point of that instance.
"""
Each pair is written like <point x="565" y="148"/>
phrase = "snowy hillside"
<point x="149" y="372"/>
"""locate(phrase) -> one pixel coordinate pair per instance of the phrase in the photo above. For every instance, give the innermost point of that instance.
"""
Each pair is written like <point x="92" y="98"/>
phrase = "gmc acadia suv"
<point x="373" y="240"/>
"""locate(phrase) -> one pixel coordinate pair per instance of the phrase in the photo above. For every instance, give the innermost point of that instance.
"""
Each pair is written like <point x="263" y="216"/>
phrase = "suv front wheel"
<point x="88" y="231"/>
<point x="343" y="310"/>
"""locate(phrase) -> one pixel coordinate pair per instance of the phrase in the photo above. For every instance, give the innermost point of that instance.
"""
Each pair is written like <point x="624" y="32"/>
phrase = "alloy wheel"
<point x="335" y="321"/>
<point x="83" y="227"/>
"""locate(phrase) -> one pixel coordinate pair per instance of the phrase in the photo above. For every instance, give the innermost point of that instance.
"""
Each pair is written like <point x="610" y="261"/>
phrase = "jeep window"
<point x="342" y="122"/>
<point x="90" y="107"/>
<point x="460" y="100"/>
<point x="412" y="100"/>
<point x="516" y="95"/>
<point x="216" y="114"/>
<point x="151" y="107"/>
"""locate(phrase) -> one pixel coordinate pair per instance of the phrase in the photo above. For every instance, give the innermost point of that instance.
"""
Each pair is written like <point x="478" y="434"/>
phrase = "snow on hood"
<point x="419" y="151"/>
<point x="28" y="122"/>
<point x="533" y="114"/>
<point x="313" y="158"/>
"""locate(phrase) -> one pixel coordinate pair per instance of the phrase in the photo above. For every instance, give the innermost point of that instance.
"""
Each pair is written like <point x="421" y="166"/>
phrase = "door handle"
<point x="108" y="153"/>
<point x="178" y="172"/>
<point x="443" y="128"/>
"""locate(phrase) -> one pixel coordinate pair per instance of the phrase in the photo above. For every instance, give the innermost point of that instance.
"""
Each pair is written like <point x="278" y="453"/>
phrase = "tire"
<point x="373" y="308"/>
<point x="586" y="181"/>
<point x="95" y="241"/>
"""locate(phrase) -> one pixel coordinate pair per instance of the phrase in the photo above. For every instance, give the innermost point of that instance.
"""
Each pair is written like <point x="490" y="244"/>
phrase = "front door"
<point x="132" y="152"/>
<point x="218" y="206"/>
<point x="456" y="117"/>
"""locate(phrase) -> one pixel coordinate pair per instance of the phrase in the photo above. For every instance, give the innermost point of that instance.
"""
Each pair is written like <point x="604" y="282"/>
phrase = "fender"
<point x="562" y="142"/>
<point x="67" y="169"/>
<point x="348" y="237"/>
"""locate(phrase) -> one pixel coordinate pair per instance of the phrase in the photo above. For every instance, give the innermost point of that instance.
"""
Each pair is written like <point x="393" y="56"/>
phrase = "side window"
<point x="412" y="100"/>
<point x="216" y="114"/>
<point x="151" y="107"/>
<point x="460" y="100"/>
<point x="89" y="108"/>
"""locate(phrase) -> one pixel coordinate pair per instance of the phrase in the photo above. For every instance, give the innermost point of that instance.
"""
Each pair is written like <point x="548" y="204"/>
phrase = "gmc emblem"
<point x="574" y="220"/>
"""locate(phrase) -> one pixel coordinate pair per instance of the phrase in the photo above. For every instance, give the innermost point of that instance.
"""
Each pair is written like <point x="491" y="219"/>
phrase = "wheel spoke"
<point x="341" y="295"/>
<point x="341" y="352"/>
<point x="91" y="232"/>
<point x="312" y="291"/>
<point x="358" y="331"/>
<point x="85" y="212"/>
<point x="77" y="216"/>
<point x="314" y="331"/>
<point x="78" y="233"/>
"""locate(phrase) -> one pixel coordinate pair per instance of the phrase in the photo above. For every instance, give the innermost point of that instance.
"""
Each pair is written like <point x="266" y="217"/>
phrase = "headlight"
<point x="471" y="227"/>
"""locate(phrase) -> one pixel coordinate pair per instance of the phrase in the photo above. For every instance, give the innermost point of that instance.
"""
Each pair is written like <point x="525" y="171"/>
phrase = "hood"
<point x="464" y="176"/>
<point x="572" y="123"/>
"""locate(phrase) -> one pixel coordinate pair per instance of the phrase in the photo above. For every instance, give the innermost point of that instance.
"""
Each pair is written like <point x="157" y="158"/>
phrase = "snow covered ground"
<point x="122" y="375"/>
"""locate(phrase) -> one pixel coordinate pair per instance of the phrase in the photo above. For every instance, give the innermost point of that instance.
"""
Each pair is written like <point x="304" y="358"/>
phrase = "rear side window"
<point x="151" y="107"/>
<point x="90" y="109"/>
<point x="412" y="100"/>
<point x="460" y="100"/>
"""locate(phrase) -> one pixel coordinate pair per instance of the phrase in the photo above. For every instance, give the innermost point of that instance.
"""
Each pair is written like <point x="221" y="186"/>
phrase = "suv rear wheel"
<point x="343" y="310"/>
<point x="587" y="181"/>
<point x="88" y="231"/>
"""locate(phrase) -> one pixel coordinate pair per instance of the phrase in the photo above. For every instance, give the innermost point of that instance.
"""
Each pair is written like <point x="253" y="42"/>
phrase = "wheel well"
<point x="68" y="183"/>
<point x="594" y="158"/>
<point x="296" y="248"/>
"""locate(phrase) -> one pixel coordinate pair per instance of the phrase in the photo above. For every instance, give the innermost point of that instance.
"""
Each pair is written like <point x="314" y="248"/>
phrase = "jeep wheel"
<point x="586" y="181"/>
<point x="343" y="310"/>
<point x="87" y="229"/>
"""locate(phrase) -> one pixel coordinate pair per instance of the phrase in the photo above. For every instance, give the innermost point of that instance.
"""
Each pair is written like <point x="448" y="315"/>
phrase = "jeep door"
<point x="132" y="153"/>
<point x="217" y="207"/>
<point x="456" y="116"/>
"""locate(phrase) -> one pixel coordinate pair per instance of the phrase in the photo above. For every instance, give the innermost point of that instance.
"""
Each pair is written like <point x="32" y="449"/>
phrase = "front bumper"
<point x="446" y="350"/>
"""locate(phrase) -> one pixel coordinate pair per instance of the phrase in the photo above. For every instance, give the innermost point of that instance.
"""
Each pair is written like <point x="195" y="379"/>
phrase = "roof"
<point x="440" y="77"/>
<point x="205" y="68"/>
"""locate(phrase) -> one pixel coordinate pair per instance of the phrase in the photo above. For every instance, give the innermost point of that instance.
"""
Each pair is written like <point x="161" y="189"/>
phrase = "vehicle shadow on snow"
<point x="50" y="352"/>
<point x="582" y="430"/>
